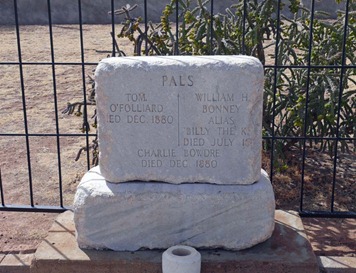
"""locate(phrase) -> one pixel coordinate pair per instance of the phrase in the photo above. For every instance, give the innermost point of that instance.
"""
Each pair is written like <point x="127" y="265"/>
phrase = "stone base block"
<point x="152" y="215"/>
<point x="288" y="250"/>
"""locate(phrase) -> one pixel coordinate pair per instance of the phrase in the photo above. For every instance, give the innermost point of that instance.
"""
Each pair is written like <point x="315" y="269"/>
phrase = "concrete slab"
<point x="288" y="250"/>
<point x="334" y="264"/>
<point x="16" y="263"/>
<point x="2" y="256"/>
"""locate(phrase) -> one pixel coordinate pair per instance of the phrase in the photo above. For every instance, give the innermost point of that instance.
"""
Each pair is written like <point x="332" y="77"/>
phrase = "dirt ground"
<point x="21" y="232"/>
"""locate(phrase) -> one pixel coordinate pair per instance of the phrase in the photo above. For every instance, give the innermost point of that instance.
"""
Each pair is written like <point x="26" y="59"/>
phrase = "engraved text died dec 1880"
<point x="180" y="119"/>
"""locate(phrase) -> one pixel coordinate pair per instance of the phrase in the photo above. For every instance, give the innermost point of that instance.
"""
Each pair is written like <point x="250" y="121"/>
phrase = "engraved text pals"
<point x="178" y="80"/>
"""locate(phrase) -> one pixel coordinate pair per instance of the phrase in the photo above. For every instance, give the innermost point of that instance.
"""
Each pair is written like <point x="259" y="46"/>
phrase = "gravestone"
<point x="180" y="156"/>
<point x="178" y="119"/>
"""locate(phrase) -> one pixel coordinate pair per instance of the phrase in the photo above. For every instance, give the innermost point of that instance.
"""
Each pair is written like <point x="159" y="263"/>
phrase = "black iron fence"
<point x="309" y="153"/>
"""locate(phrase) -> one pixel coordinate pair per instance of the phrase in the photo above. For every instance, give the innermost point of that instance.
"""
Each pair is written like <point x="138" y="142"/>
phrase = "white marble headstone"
<point x="180" y="119"/>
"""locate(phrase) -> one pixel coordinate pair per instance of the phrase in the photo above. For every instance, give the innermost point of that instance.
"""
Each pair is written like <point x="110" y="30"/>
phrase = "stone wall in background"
<point x="32" y="12"/>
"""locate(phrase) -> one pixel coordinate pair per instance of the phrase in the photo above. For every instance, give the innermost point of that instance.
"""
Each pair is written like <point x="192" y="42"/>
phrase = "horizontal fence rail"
<point x="273" y="139"/>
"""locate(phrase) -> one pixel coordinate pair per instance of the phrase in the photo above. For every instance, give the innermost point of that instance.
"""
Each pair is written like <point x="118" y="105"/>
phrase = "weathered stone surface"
<point x="180" y="119"/>
<point x="135" y="215"/>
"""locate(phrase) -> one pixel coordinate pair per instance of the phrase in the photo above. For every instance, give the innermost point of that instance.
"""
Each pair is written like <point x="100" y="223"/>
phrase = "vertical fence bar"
<point x="2" y="191"/>
<point x="211" y="25"/>
<point x="85" y="110"/>
<point x="176" y="49"/>
<point x="146" y="25"/>
<point x="343" y="66"/>
<point x="113" y="53"/>
<point x="306" y="103"/>
<point x="24" y="103"/>
<point x="244" y="27"/>
<point x="55" y="104"/>
<point x="275" y="70"/>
